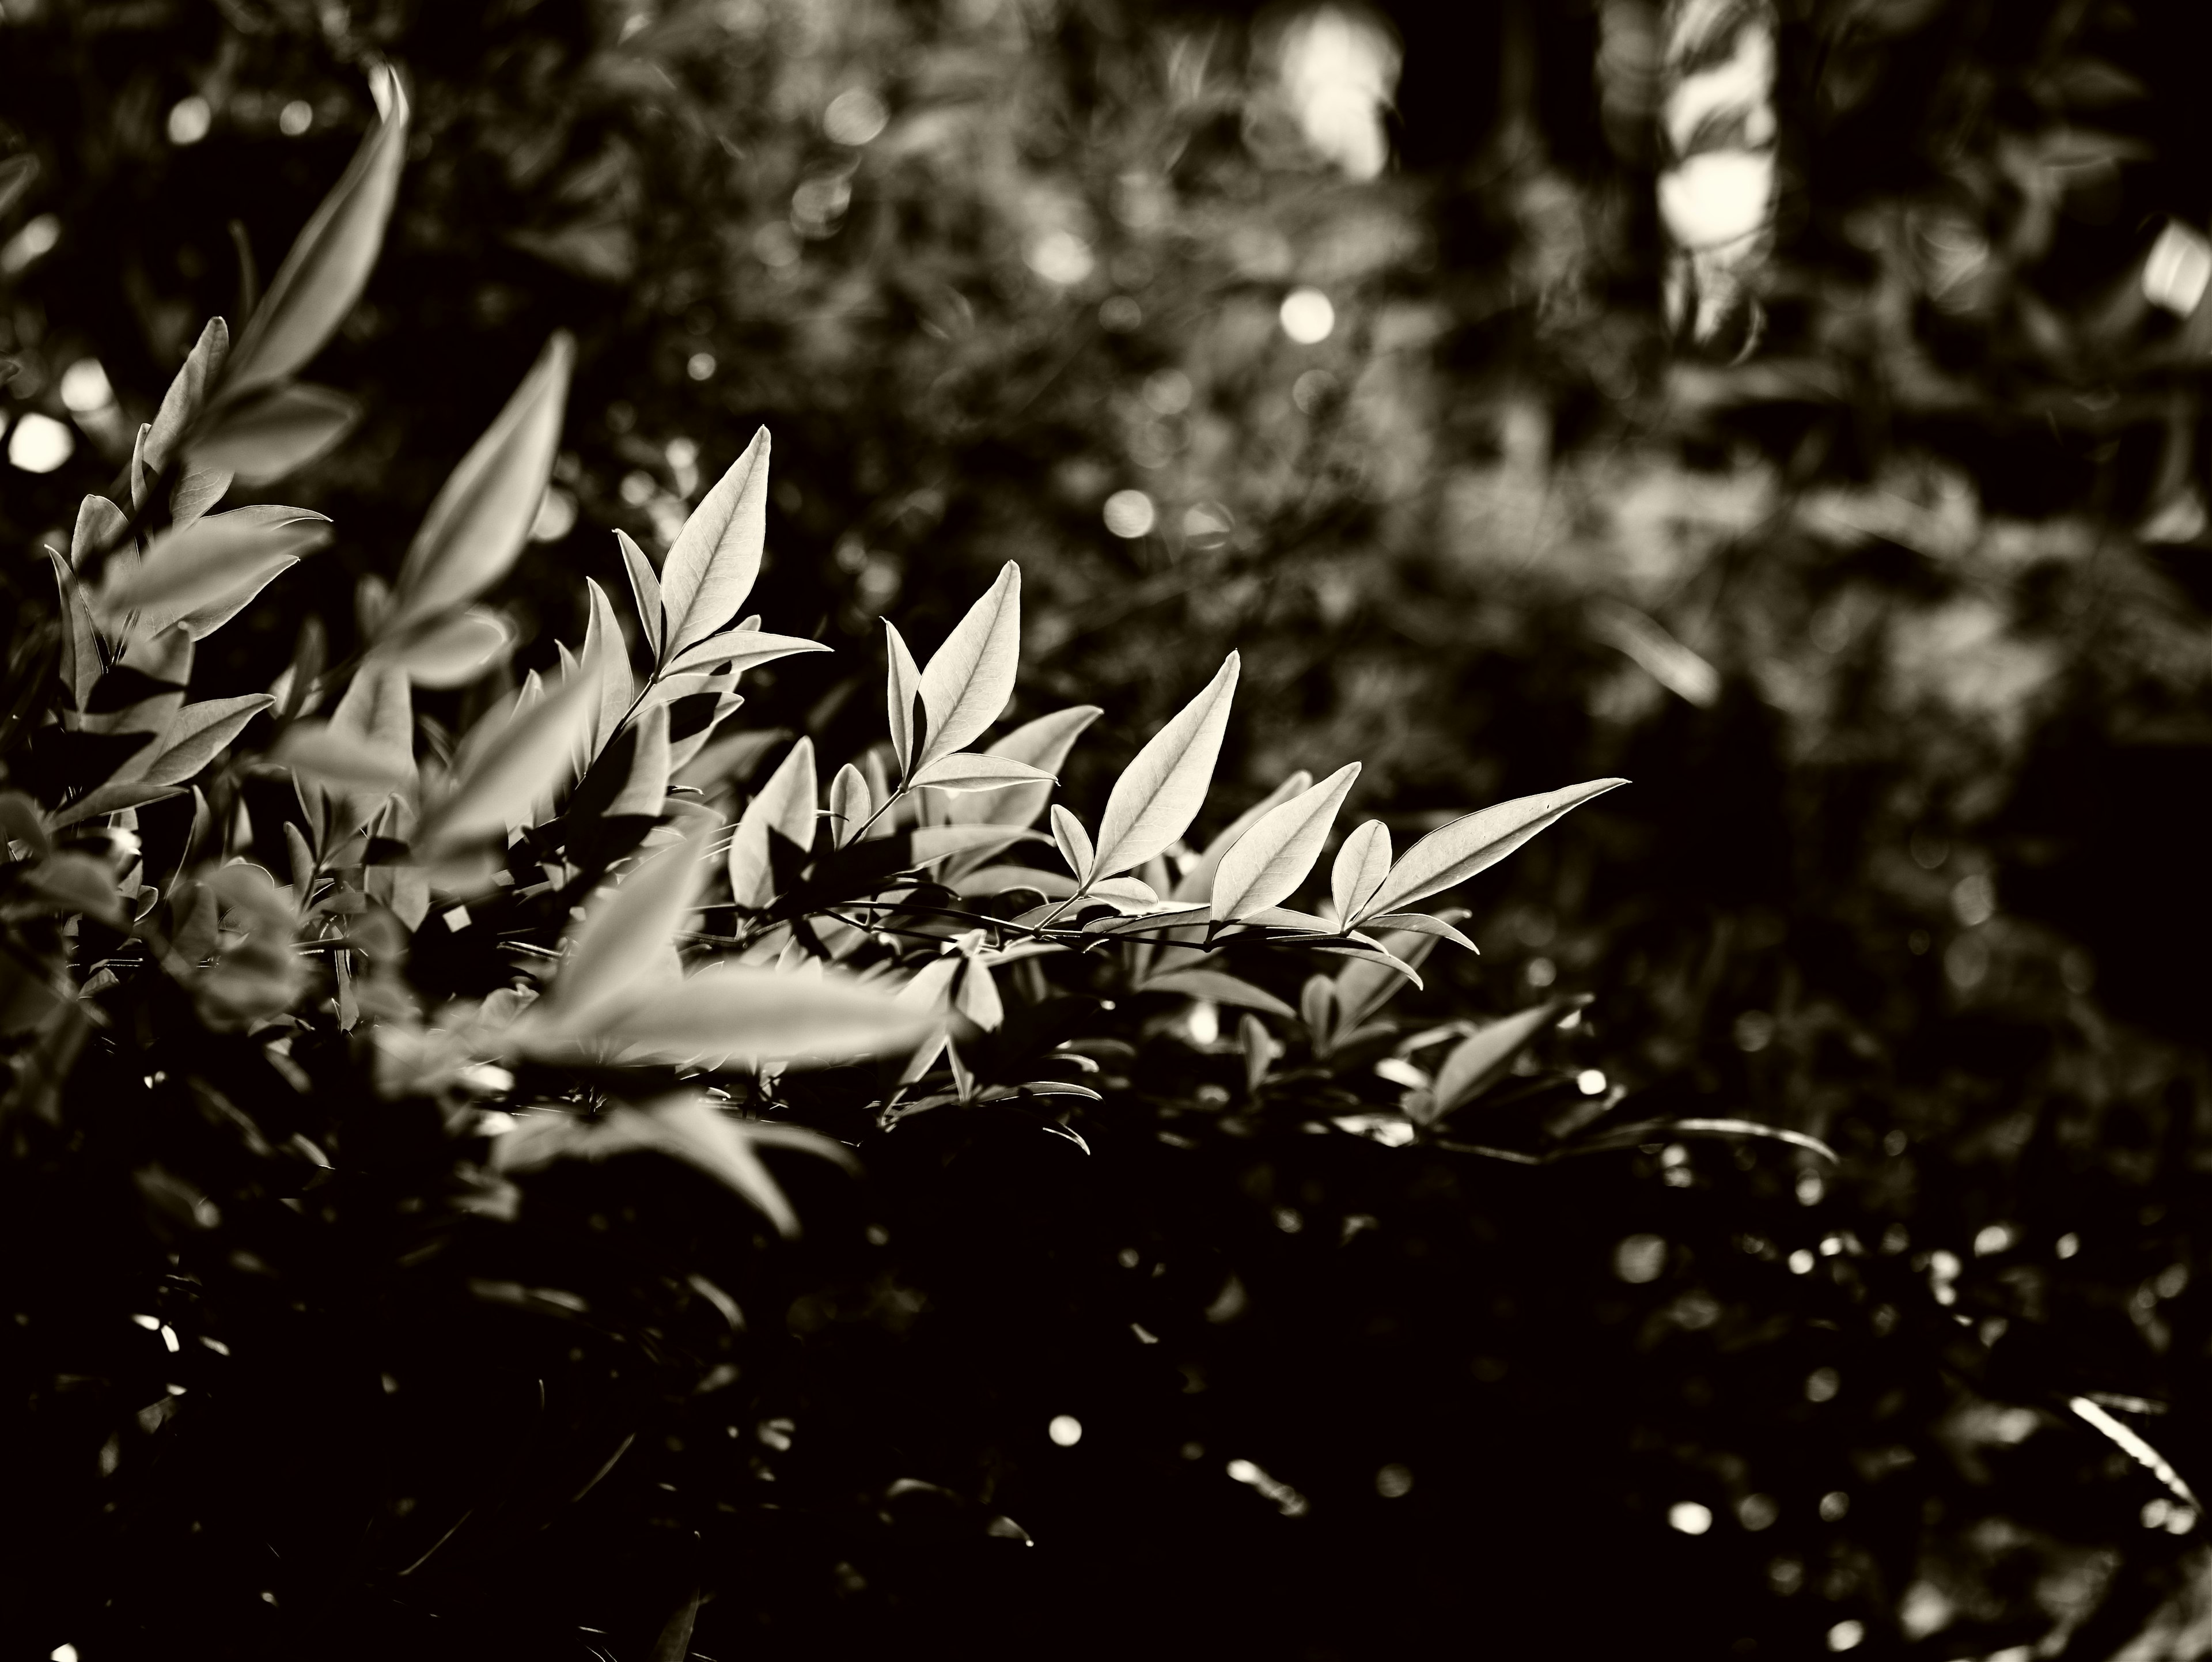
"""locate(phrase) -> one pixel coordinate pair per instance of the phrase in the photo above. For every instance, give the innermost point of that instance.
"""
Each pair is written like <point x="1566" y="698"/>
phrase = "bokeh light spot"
<point x="1307" y="316"/>
<point x="295" y="117"/>
<point x="84" y="387"/>
<point x="1066" y="1430"/>
<point x="1130" y="513"/>
<point x="190" y="119"/>
<point x="1393" y="1480"/>
<point x="854" y="117"/>
<point x="1689" y="1516"/>
<point x="40" y="444"/>
<point x="1846" y="1635"/>
<point x="1640" y="1258"/>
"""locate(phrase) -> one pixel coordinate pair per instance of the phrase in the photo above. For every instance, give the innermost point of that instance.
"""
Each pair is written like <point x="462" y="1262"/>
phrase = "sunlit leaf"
<point x="716" y="557"/>
<point x="785" y="805"/>
<point x="1451" y="854"/>
<point x="1044" y="744"/>
<point x="605" y="664"/>
<point x="901" y="695"/>
<point x="456" y="651"/>
<point x="646" y="788"/>
<point x="850" y="804"/>
<point x="1157" y="797"/>
<point x="269" y="434"/>
<point x="1072" y="841"/>
<point x="81" y="664"/>
<point x="1221" y="987"/>
<point x="1196" y="880"/>
<point x="742" y="650"/>
<point x="1421" y="923"/>
<point x="1477" y="1062"/>
<point x="1267" y="863"/>
<point x="928" y="844"/>
<point x="481" y="516"/>
<point x="627" y="933"/>
<point x="970" y="677"/>
<point x="970" y="771"/>
<point x="208" y="563"/>
<point x="199" y="734"/>
<point x="188" y="394"/>
<point x="330" y="261"/>
<point x="645" y="590"/>
<point x="1362" y="865"/>
<point x="516" y="756"/>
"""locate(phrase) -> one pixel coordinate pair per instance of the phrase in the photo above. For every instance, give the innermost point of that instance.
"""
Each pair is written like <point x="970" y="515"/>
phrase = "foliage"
<point x="1898" y="623"/>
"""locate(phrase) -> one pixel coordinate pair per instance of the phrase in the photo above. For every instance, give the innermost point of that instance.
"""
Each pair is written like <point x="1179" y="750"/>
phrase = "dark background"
<point x="1924" y="878"/>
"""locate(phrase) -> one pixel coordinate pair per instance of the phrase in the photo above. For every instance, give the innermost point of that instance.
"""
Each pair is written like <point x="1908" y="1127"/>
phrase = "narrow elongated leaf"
<point x="329" y="264"/>
<point x="717" y="555"/>
<point x="606" y="665"/>
<point x="645" y="590"/>
<point x="1422" y="923"/>
<point x="646" y="787"/>
<point x="455" y="652"/>
<point x="188" y="394"/>
<point x="338" y="761"/>
<point x="1196" y="881"/>
<point x="744" y="649"/>
<point x="1155" y="800"/>
<point x="970" y="677"/>
<point x="200" y="733"/>
<point x="509" y="761"/>
<point x="269" y="433"/>
<point x="850" y="804"/>
<point x="901" y="695"/>
<point x="1362" y="865"/>
<point x="627" y="935"/>
<point x="1073" y="842"/>
<point x="481" y="515"/>
<point x="1222" y="988"/>
<point x="1366" y="986"/>
<point x="733" y="1015"/>
<point x="1451" y="854"/>
<point x="81" y="664"/>
<point x="969" y="770"/>
<point x="202" y="565"/>
<point x="785" y="805"/>
<point x="1476" y="1064"/>
<point x="1044" y="744"/>
<point x="113" y="798"/>
<point x="1267" y="863"/>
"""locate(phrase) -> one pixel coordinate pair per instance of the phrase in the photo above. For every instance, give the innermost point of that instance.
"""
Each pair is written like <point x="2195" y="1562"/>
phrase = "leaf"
<point x="1072" y="841"/>
<point x="785" y="805"/>
<point x="196" y="490"/>
<point x="200" y="733"/>
<point x="17" y="173"/>
<point x="978" y="999"/>
<point x="850" y="804"/>
<point x="970" y="677"/>
<point x="81" y="664"/>
<point x="112" y="798"/>
<point x="1196" y="880"/>
<point x="627" y="935"/>
<point x="482" y="514"/>
<point x="645" y="590"/>
<point x="329" y="262"/>
<point x="1663" y="1130"/>
<point x="969" y="770"/>
<point x="902" y="696"/>
<point x="214" y="562"/>
<point x="1044" y="744"/>
<point x="1168" y="916"/>
<point x="1160" y="793"/>
<point x="1266" y="864"/>
<point x="1361" y="864"/>
<point x="1451" y="854"/>
<point x="509" y="761"/>
<point x="717" y="555"/>
<point x="188" y="394"/>
<point x="1220" y="988"/>
<point x="1365" y="986"/>
<point x="647" y="786"/>
<point x="732" y="1014"/>
<point x="1476" y="1062"/>
<point x="268" y="434"/>
<point x="744" y="649"/>
<point x="928" y="844"/>
<point x="79" y="882"/>
<point x="1421" y="923"/>
<point x="674" y="1644"/>
<point x="455" y="652"/>
<point x="606" y="665"/>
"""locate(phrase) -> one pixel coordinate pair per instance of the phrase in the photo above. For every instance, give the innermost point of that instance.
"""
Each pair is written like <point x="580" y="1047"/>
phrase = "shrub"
<point x="327" y="1017"/>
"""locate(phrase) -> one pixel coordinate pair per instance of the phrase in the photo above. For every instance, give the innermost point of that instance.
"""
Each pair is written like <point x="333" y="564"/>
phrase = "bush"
<point x="329" y="1017"/>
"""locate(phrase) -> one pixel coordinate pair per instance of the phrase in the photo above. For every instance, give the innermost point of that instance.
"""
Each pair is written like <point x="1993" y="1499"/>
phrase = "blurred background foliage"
<point x="1335" y="337"/>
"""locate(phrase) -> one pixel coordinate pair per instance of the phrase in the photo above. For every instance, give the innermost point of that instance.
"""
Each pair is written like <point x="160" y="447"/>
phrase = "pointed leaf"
<point x="482" y="514"/>
<point x="646" y="787"/>
<point x="80" y="665"/>
<point x="1153" y="802"/>
<point x="645" y="590"/>
<point x="744" y="649"/>
<point x="850" y="804"/>
<point x="457" y="651"/>
<point x="1451" y="854"/>
<point x="1044" y="744"/>
<point x="329" y="262"/>
<point x="196" y="490"/>
<point x="188" y="394"/>
<point x="269" y="433"/>
<point x="967" y="770"/>
<point x="629" y="930"/>
<point x="1220" y="988"/>
<point x="509" y="761"/>
<point x="606" y="665"/>
<point x="112" y="798"/>
<point x="1196" y="882"/>
<point x="1267" y="863"/>
<point x="1421" y="923"/>
<point x="717" y="555"/>
<point x="901" y="695"/>
<point x="1072" y="841"/>
<point x="786" y="805"/>
<point x="200" y="734"/>
<point x="208" y="563"/>
<point x="1476" y="1064"/>
<point x="970" y="677"/>
<point x="1361" y="864"/>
